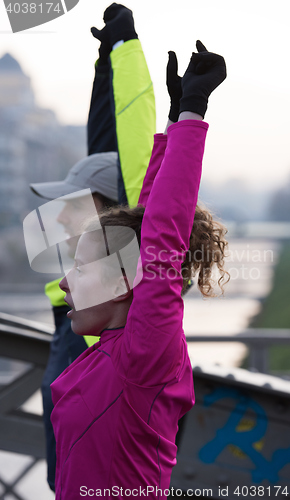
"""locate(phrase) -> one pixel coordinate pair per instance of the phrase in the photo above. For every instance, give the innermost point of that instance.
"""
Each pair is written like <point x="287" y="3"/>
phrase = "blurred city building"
<point x="34" y="146"/>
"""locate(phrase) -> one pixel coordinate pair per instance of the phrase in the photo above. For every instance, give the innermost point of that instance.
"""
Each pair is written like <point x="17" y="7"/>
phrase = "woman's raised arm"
<point x="157" y="305"/>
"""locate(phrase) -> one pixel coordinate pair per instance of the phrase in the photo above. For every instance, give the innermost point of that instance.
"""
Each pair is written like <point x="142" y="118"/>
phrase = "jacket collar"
<point x="109" y="333"/>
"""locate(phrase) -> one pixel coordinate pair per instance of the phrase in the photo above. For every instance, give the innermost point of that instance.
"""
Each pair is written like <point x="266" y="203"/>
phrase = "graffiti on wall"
<point x="245" y="436"/>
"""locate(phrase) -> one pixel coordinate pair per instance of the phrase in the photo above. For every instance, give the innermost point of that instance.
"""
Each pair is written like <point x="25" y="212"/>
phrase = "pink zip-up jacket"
<point x="116" y="408"/>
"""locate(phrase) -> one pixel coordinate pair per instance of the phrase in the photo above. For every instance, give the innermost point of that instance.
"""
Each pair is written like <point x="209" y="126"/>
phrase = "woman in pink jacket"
<point x="116" y="408"/>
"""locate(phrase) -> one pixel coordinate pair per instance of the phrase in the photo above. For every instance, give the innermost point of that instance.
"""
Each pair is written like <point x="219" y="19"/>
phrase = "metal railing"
<point x="258" y="341"/>
<point x="20" y="431"/>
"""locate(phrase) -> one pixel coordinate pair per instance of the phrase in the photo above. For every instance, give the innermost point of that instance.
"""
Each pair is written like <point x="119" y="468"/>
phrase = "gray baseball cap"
<point x="98" y="172"/>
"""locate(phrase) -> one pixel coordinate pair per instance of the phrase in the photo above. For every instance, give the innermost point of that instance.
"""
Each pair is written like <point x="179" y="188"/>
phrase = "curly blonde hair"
<point x="206" y="249"/>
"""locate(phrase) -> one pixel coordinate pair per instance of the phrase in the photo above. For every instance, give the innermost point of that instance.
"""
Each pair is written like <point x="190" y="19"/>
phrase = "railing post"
<point x="258" y="357"/>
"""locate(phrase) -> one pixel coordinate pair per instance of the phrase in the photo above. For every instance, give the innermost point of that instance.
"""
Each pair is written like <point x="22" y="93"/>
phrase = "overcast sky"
<point x="249" y="114"/>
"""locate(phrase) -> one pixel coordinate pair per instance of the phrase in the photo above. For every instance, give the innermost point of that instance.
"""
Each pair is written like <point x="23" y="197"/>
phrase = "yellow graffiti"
<point x="245" y="425"/>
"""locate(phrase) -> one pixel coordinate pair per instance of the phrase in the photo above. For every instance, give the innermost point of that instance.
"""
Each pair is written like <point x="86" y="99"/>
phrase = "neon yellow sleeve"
<point x="91" y="340"/>
<point x="54" y="293"/>
<point x="134" y="113"/>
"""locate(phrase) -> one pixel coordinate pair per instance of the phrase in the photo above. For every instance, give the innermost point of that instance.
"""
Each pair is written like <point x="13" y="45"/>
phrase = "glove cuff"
<point x="174" y="112"/>
<point x="195" y="104"/>
<point x="125" y="35"/>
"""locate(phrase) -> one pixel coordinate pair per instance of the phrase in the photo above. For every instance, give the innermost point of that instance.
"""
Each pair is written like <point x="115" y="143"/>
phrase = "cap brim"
<point x="53" y="190"/>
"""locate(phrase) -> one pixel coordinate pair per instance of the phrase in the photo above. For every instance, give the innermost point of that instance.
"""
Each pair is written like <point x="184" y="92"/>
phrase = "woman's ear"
<point x="122" y="290"/>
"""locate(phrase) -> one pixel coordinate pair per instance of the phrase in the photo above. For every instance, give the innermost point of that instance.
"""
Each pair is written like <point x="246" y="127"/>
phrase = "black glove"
<point x="205" y="72"/>
<point x="105" y="47"/>
<point x="119" y="26"/>
<point x="120" y="23"/>
<point x="173" y="82"/>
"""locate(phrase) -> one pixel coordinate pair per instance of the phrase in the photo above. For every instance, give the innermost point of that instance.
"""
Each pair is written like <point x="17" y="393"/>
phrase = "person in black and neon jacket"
<point x="121" y="125"/>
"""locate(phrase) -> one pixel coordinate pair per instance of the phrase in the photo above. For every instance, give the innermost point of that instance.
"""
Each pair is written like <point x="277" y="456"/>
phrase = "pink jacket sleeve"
<point x="159" y="146"/>
<point x="153" y="336"/>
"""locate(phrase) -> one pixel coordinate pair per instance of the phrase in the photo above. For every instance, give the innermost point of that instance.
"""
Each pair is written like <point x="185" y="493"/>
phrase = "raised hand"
<point x="173" y="82"/>
<point x="205" y="72"/>
<point x="119" y="26"/>
<point x="120" y="23"/>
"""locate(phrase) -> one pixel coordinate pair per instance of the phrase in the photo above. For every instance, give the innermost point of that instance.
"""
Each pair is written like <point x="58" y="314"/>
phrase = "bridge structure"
<point x="234" y="442"/>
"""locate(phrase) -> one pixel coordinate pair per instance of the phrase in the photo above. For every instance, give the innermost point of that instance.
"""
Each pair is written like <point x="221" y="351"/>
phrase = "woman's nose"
<point x="63" y="285"/>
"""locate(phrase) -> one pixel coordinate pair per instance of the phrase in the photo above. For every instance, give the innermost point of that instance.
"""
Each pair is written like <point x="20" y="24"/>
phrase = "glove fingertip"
<point x="200" y="47"/>
<point x="172" y="55"/>
<point x="110" y="11"/>
<point x="172" y="62"/>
